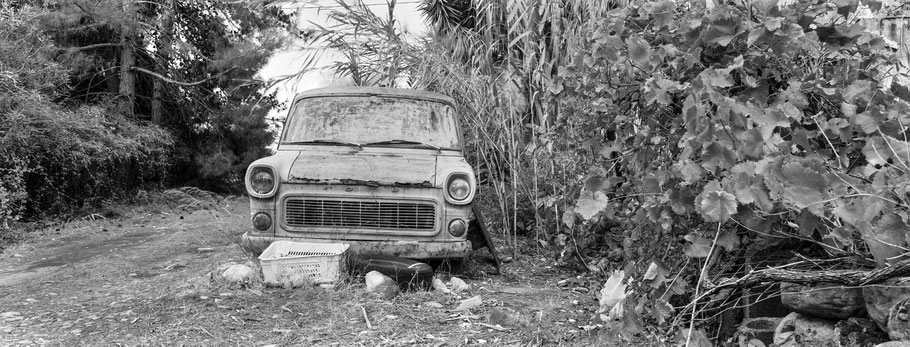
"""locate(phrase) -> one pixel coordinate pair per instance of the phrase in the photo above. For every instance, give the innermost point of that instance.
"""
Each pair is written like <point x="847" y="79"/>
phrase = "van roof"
<point x="378" y="91"/>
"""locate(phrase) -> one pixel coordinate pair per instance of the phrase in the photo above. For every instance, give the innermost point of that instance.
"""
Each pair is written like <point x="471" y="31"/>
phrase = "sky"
<point x="311" y="12"/>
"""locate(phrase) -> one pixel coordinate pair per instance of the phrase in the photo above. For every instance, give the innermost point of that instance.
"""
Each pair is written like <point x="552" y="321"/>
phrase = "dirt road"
<point x="149" y="277"/>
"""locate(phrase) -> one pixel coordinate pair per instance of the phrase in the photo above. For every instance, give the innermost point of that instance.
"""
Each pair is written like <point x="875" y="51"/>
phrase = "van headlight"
<point x="459" y="188"/>
<point x="261" y="181"/>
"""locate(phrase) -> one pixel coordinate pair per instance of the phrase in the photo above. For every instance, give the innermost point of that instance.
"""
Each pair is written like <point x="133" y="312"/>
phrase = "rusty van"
<point x="381" y="169"/>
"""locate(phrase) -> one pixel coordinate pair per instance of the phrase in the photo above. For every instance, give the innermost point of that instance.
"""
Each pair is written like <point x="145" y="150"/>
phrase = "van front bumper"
<point x="405" y="249"/>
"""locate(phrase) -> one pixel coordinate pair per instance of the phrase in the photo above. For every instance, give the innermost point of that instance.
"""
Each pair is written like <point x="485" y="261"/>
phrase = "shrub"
<point x="55" y="158"/>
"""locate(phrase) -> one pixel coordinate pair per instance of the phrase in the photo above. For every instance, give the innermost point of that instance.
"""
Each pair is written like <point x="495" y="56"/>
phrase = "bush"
<point x="54" y="158"/>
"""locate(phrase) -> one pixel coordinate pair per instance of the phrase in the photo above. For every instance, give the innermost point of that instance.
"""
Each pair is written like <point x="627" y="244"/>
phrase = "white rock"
<point x="458" y="285"/>
<point x="823" y="300"/>
<point x="440" y="286"/>
<point x="374" y="279"/>
<point x="894" y="344"/>
<point x="469" y="303"/>
<point x="224" y="266"/>
<point x="238" y="274"/>
<point x="432" y="304"/>
<point x="381" y="284"/>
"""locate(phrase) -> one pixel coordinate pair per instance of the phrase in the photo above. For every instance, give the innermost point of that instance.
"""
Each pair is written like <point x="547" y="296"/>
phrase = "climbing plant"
<point x="724" y="125"/>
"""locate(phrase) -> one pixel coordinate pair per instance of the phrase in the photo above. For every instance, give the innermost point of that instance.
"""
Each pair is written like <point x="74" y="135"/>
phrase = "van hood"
<point x="365" y="168"/>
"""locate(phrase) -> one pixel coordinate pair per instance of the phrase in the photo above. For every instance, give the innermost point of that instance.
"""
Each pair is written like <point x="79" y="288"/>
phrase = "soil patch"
<point x="149" y="278"/>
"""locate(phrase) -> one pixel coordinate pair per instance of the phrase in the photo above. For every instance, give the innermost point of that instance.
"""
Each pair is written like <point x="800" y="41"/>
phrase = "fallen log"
<point x="851" y="278"/>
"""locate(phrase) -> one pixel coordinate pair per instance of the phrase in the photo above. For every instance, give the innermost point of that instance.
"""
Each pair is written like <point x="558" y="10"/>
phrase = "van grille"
<point x="301" y="212"/>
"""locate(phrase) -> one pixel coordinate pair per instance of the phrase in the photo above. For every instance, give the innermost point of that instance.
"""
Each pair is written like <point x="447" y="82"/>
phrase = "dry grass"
<point x="139" y="278"/>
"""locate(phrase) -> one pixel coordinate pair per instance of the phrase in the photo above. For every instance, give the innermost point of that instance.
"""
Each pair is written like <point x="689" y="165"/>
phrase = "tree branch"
<point x="168" y="80"/>
<point x="85" y="48"/>
<point x="850" y="278"/>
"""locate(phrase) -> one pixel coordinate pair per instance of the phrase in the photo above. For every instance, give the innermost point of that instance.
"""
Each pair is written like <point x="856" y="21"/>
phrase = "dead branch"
<point x="186" y="84"/>
<point x="85" y="48"/>
<point x="850" y="278"/>
<point x="366" y="318"/>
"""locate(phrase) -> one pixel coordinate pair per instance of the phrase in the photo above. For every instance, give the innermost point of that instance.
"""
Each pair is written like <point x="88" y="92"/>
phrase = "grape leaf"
<point x="794" y="95"/>
<point x="859" y="212"/>
<point x="698" y="338"/>
<point x="807" y="188"/>
<point x="900" y="90"/>
<point x="856" y="89"/>
<point x="749" y="189"/>
<point x="607" y="46"/>
<point x="721" y="31"/>
<point x="770" y="119"/>
<point x="886" y="239"/>
<point x="757" y="34"/>
<point x="590" y="204"/>
<point x="865" y="122"/>
<point x="639" y="51"/>
<point x="657" y="273"/>
<point x="791" y="111"/>
<point x="717" y="78"/>
<point x="848" y="109"/>
<point x="716" y="155"/>
<point x="661" y="11"/>
<point x="594" y="183"/>
<point x="839" y="237"/>
<point x="728" y="239"/>
<point x="752" y="144"/>
<point x="798" y="182"/>
<point x="682" y="200"/>
<point x="690" y="172"/>
<point x="661" y="310"/>
<point x="568" y="217"/>
<point x="765" y="6"/>
<point x="698" y="247"/>
<point x="884" y="150"/>
<point x="715" y="205"/>
<point x="772" y="23"/>
<point x="650" y="184"/>
<point x="747" y="167"/>
<point x="809" y="223"/>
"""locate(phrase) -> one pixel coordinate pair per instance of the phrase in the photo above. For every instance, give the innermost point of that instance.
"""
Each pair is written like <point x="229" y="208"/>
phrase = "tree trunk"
<point x="162" y="50"/>
<point x="127" y="97"/>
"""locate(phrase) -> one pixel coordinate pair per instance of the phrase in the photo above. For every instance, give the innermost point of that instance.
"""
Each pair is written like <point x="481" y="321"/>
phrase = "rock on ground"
<point x="440" y="286"/>
<point x="859" y="332"/>
<point x="881" y="297"/>
<point x="458" y="285"/>
<point x="508" y="317"/>
<point x="799" y="330"/>
<point x="432" y="304"/>
<point x="823" y="300"/>
<point x="238" y="274"/>
<point x="760" y="328"/>
<point x="381" y="285"/>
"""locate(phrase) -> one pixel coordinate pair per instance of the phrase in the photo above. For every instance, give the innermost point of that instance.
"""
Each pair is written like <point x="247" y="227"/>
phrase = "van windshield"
<point x="372" y="120"/>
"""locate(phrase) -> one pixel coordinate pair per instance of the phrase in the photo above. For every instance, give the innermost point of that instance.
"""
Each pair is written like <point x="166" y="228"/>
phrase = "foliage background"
<point x="675" y="140"/>
<point x="101" y="98"/>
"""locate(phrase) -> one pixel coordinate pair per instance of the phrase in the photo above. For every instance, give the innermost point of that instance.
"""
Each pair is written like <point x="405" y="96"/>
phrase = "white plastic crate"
<point x="298" y="262"/>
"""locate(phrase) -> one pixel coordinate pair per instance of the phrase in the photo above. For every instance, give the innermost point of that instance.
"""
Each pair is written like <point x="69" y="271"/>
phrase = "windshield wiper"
<point x="324" y="141"/>
<point x="403" y="142"/>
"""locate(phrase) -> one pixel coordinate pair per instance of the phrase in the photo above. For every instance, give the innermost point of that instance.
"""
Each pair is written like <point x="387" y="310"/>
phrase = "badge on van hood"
<point x="371" y="169"/>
